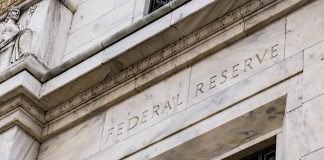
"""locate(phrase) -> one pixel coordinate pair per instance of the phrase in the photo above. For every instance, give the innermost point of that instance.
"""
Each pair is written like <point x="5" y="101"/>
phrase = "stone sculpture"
<point x="13" y="39"/>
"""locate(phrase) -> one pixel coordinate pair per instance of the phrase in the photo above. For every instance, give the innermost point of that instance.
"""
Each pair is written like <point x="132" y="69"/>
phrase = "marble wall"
<point x="95" y="19"/>
<point x="50" y="24"/>
<point x="272" y="78"/>
<point x="211" y="85"/>
<point x="15" y="144"/>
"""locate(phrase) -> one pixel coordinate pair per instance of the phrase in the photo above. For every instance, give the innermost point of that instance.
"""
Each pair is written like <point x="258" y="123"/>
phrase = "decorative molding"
<point x="158" y="57"/>
<point x="22" y="102"/>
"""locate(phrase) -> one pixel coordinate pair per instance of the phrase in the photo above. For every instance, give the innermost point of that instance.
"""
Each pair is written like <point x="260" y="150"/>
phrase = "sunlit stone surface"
<point x="194" y="79"/>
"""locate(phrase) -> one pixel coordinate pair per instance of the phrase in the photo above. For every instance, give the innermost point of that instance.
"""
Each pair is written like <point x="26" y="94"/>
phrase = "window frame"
<point x="148" y="6"/>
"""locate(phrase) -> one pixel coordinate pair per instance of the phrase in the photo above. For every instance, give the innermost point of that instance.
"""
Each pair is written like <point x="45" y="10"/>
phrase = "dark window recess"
<point x="265" y="154"/>
<point x="156" y="4"/>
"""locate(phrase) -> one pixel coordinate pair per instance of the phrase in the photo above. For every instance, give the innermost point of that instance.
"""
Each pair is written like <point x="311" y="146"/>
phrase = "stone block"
<point x="225" y="68"/>
<point x="50" y="24"/>
<point x="291" y="143"/>
<point x="201" y="127"/>
<point x="317" y="155"/>
<point x="78" y="142"/>
<point x="295" y="93"/>
<point x="72" y="74"/>
<point x="312" y="130"/>
<point x="136" y="38"/>
<point x="194" y="114"/>
<point x="306" y="31"/>
<point x="120" y="2"/>
<point x="23" y="79"/>
<point x="145" y="109"/>
<point x="139" y="9"/>
<point x="101" y="25"/>
<point x="313" y="85"/>
<point x="89" y="11"/>
<point x="15" y="144"/>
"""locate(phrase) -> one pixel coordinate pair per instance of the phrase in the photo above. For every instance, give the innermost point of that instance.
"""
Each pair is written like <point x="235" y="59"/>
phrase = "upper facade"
<point x="159" y="79"/>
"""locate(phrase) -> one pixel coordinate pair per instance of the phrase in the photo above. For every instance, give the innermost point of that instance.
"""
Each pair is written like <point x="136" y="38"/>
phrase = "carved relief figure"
<point x="14" y="40"/>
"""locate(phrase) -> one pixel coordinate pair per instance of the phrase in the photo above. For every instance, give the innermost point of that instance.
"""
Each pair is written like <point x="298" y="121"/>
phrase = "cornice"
<point x="22" y="112"/>
<point x="22" y="102"/>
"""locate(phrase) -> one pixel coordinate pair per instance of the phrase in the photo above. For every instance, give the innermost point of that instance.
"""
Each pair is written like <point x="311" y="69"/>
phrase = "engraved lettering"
<point x="166" y="107"/>
<point x="248" y="64"/>
<point x="110" y="131"/>
<point x="199" y="88"/>
<point x="274" y="51"/>
<point x="178" y="101"/>
<point x="224" y="77"/>
<point x="132" y="123"/>
<point x="212" y="83"/>
<point x="120" y="129"/>
<point x="144" y="116"/>
<point x="156" y="110"/>
<point x="235" y="71"/>
<point x="261" y="59"/>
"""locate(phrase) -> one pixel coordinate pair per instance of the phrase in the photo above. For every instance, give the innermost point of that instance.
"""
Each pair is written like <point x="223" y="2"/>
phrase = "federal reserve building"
<point x="162" y="79"/>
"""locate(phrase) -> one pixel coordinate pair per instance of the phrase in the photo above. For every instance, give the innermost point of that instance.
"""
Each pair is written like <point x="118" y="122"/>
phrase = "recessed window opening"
<point x="156" y="4"/>
<point x="265" y="150"/>
<point x="265" y="154"/>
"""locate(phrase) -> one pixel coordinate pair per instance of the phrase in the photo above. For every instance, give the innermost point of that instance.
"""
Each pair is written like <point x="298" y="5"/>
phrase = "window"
<point x="264" y="150"/>
<point x="156" y="4"/>
<point x="265" y="154"/>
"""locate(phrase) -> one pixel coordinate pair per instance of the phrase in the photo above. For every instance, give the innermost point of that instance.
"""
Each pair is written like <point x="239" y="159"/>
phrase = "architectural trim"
<point x="212" y="30"/>
<point x="23" y="103"/>
<point x="77" y="109"/>
<point x="21" y="112"/>
<point x="159" y="57"/>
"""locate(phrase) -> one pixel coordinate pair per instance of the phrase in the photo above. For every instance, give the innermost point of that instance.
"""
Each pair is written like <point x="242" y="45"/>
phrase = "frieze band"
<point x="158" y="57"/>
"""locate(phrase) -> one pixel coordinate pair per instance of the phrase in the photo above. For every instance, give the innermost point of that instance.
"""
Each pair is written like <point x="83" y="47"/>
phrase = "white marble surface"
<point x="312" y="128"/>
<point x="78" y="142"/>
<point x="251" y="81"/>
<point x="72" y="74"/>
<point x="317" y="155"/>
<point x="212" y="105"/>
<point x="313" y="85"/>
<point x="146" y="109"/>
<point x="50" y="24"/>
<point x="292" y="144"/>
<point x="237" y="62"/>
<point x="304" y="28"/>
<point x="208" y="124"/>
<point x="23" y="79"/>
<point x="15" y="144"/>
<point x="295" y="93"/>
<point x="78" y="2"/>
<point x="89" y="11"/>
<point x="139" y="9"/>
<point x="99" y="26"/>
<point x="4" y="60"/>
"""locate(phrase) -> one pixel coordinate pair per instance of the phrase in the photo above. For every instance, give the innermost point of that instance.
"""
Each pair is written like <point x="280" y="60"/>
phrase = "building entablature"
<point x="48" y="97"/>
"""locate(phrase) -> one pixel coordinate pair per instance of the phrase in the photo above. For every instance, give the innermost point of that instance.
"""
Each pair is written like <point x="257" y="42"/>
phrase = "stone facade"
<point x="195" y="79"/>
